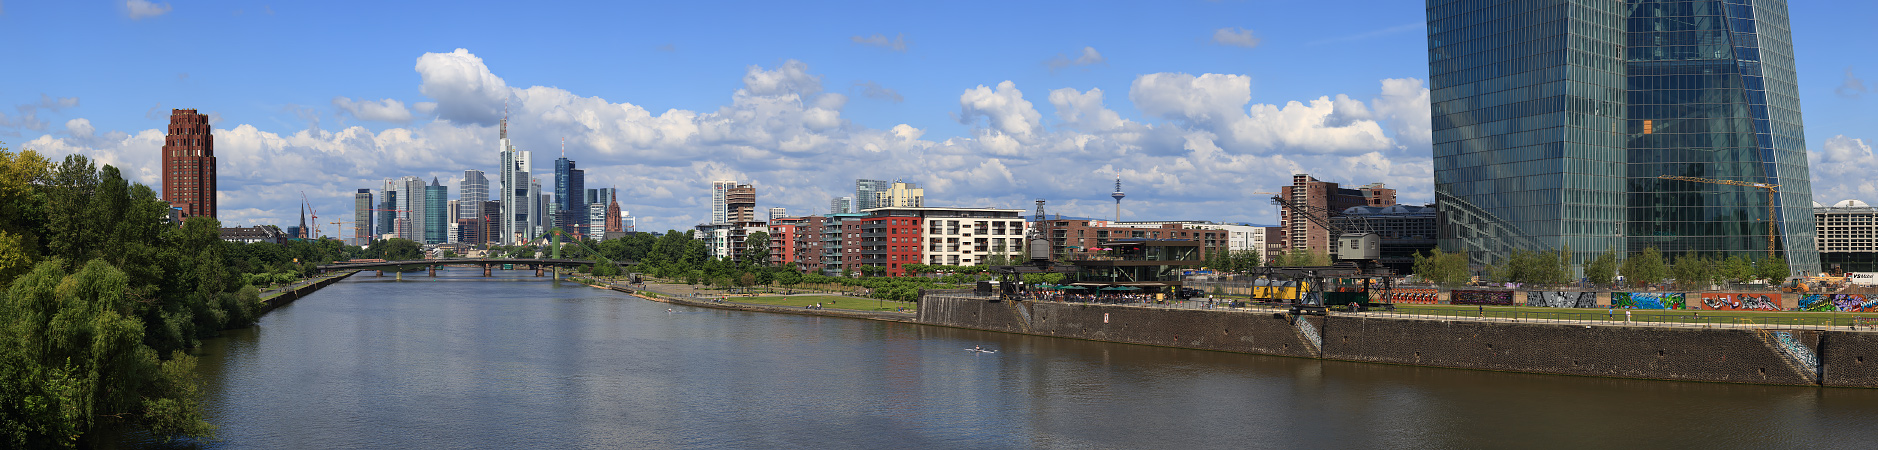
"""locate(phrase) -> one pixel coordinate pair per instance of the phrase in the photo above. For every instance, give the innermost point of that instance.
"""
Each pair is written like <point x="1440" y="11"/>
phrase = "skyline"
<point x="1192" y="101"/>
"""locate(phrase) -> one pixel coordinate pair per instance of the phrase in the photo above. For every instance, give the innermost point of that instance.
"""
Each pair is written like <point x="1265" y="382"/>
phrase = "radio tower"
<point x="1118" y="197"/>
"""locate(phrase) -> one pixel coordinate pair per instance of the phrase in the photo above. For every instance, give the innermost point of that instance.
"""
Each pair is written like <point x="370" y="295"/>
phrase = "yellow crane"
<point x="1772" y="189"/>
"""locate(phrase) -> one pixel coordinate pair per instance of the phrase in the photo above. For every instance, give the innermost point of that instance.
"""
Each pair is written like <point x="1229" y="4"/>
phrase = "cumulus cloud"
<point x="1235" y="37"/>
<point x="28" y="114"/>
<point x="1845" y="163"/>
<point x="897" y="43"/>
<point x="141" y="9"/>
<point x="1089" y="56"/>
<point x="1201" y="147"/>
<point x="1852" y="87"/>
<point x="874" y="90"/>
<point x="464" y="89"/>
<point x="386" y="110"/>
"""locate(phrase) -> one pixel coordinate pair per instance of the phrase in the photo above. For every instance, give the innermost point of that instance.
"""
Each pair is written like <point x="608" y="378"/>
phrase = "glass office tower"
<point x="1554" y="119"/>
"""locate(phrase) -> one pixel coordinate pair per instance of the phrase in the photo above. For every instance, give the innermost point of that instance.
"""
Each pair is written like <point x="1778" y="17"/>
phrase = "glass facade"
<point x="1554" y="119"/>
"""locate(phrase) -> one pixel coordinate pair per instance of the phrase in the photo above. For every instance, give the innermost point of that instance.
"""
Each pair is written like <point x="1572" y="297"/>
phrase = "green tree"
<point x="1692" y="271"/>
<point x="1447" y="269"/>
<point x="1774" y="270"/>
<point x="1603" y="269"/>
<point x="1645" y="268"/>
<point x="756" y="249"/>
<point x="1737" y="269"/>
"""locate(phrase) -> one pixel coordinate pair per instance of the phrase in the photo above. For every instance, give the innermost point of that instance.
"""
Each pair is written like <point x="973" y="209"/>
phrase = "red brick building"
<point x="1322" y="199"/>
<point x="784" y="233"/>
<point x="1071" y="237"/>
<point x="189" y="164"/>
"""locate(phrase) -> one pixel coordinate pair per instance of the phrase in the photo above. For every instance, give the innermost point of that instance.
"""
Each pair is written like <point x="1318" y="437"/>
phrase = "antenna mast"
<point x="505" y="119"/>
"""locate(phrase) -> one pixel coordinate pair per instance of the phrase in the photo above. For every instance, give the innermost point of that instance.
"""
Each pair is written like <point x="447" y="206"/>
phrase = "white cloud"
<point x="1202" y="146"/>
<point x="1004" y="107"/>
<point x="874" y="90"/>
<point x="386" y="110"/>
<point x="1235" y="37"/>
<point x="464" y="89"/>
<point x="1841" y="169"/>
<point x="1404" y="106"/>
<point x="140" y="9"/>
<point x="898" y="43"/>
<point x="1089" y="56"/>
<point x="80" y="127"/>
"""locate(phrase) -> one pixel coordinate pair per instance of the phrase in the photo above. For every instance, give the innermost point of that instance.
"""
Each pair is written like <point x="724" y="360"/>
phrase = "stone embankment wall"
<point x="289" y="296"/>
<point x="1729" y="354"/>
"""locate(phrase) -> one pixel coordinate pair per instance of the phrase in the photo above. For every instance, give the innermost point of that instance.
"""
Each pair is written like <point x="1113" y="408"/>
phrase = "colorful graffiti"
<point x="1413" y="295"/>
<point x="1649" y="300"/>
<point x="1838" y="302"/>
<point x="1562" y="299"/>
<point x="1741" y="302"/>
<point x="1480" y="297"/>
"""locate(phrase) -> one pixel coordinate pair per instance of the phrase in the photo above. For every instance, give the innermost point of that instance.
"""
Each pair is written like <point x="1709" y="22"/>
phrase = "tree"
<point x="1774" y="269"/>
<point x="1692" y="271"/>
<point x="1602" y="270"/>
<point x="756" y="249"/>
<point x="1645" y="268"/>
<point x="1442" y="268"/>
<point x="1737" y="269"/>
<point x="789" y="278"/>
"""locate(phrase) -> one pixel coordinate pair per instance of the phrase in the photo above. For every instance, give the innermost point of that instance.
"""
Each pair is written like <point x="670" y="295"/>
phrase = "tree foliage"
<point x="1603" y="269"/>
<point x="1442" y="268"/>
<point x="1645" y="268"/>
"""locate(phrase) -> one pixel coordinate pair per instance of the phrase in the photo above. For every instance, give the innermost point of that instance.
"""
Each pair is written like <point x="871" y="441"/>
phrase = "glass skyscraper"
<point x="1554" y="119"/>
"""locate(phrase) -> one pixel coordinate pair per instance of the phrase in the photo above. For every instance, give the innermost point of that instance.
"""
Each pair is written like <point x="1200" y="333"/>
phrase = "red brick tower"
<point x="189" y="164"/>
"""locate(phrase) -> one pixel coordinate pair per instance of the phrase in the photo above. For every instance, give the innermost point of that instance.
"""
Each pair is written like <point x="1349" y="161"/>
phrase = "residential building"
<point x="1553" y="121"/>
<point x="362" y="218"/>
<point x="720" y="197"/>
<point x="740" y="204"/>
<point x="519" y="192"/>
<point x="777" y="213"/>
<point x="893" y="236"/>
<point x="727" y="240"/>
<point x="189" y="164"/>
<point x="900" y="195"/>
<point x="1323" y="200"/>
<point x="437" y="216"/>
<point x="784" y="238"/>
<point x="1081" y="238"/>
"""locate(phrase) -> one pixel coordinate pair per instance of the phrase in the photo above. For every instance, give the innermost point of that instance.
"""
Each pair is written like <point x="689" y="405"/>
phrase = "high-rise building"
<point x="740" y="204"/>
<point x="864" y="191"/>
<point x="387" y="214"/>
<point x="362" y="207"/>
<point x="189" y="164"/>
<point x="471" y="193"/>
<point x="570" y="188"/>
<point x="1322" y="200"/>
<point x="1553" y="122"/>
<point x="777" y="213"/>
<point x="841" y="205"/>
<point x="436" y="212"/>
<point x="519" y="210"/>
<point x="720" y="206"/>
<point x="411" y="200"/>
<point x="599" y="202"/>
<point x="900" y="195"/>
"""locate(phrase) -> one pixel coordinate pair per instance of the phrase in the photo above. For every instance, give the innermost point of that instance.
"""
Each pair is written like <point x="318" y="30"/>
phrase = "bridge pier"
<point x="381" y="274"/>
<point x="433" y="271"/>
<point x="486" y="270"/>
<point x="400" y="275"/>
<point x="537" y="271"/>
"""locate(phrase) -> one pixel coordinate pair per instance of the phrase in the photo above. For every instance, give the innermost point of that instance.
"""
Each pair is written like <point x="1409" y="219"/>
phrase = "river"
<point x="516" y="361"/>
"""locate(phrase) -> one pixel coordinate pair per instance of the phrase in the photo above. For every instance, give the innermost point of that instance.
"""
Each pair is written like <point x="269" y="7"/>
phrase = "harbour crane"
<point x="315" y="214"/>
<point x="1772" y="190"/>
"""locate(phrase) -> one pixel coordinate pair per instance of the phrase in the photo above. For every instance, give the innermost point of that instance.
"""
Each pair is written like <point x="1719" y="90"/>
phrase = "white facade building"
<point x="520" y="195"/>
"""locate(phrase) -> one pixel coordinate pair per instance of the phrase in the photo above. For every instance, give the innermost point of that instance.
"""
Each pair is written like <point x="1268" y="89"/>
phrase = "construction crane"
<point x="315" y="214"/>
<point x="394" y="216"/>
<point x="1772" y="189"/>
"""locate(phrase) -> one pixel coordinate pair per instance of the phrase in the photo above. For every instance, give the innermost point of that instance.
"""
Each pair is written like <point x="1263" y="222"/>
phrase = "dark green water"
<point x="522" y="362"/>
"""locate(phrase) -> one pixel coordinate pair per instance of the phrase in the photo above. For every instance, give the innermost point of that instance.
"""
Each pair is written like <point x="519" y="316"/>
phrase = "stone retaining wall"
<point x="1732" y="355"/>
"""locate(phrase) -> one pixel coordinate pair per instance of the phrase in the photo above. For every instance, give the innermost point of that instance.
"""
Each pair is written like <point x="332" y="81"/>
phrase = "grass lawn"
<point x="828" y="302"/>
<point x="1645" y="315"/>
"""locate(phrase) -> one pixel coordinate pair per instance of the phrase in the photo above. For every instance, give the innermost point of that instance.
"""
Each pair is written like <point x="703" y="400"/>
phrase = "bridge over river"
<point x="488" y="264"/>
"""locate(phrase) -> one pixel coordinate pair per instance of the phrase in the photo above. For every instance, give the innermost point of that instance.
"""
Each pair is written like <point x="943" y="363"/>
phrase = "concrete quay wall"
<point x="1729" y="355"/>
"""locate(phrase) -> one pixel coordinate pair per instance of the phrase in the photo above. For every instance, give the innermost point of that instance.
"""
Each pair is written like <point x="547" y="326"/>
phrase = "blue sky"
<point x="1195" y="109"/>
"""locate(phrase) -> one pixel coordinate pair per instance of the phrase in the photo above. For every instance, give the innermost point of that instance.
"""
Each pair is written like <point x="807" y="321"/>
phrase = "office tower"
<point x="471" y="194"/>
<point x="189" y="164"/>
<point x="492" y="225"/>
<point x="864" y="190"/>
<point x="720" y="208"/>
<point x="569" y="192"/>
<point x="597" y="207"/>
<point x="453" y="228"/>
<point x="411" y="203"/>
<point x="518" y="219"/>
<point x="436" y="212"/>
<point x="362" y="207"/>
<point x="841" y="205"/>
<point x="387" y="216"/>
<point x="1553" y="122"/>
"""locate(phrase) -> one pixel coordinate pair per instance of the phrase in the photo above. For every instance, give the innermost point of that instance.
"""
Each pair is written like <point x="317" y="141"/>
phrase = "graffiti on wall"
<point x="1648" y="300"/>
<point x="1562" y="299"/>
<point x="1413" y="295"/>
<point x="1481" y="297"/>
<point x="1741" y="302"/>
<point x="1838" y="302"/>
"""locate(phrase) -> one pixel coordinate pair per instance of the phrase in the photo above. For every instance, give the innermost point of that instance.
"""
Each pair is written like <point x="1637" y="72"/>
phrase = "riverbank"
<point x="887" y="316"/>
<point x="277" y="298"/>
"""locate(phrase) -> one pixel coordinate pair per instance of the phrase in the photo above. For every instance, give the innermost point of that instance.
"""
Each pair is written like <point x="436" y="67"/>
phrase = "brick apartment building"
<point x="1322" y="199"/>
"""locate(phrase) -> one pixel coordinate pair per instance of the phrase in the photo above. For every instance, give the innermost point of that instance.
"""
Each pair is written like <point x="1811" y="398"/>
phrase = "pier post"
<point x="381" y="274"/>
<point x="433" y="271"/>
<point x="400" y="275"/>
<point x="485" y="270"/>
<point x="537" y="271"/>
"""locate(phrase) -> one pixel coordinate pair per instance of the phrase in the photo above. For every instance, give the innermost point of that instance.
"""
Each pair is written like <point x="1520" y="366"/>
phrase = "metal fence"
<point x="1522" y="314"/>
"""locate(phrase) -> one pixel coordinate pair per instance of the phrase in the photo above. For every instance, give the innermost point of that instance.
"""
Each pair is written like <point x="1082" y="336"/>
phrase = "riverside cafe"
<point x="1133" y="268"/>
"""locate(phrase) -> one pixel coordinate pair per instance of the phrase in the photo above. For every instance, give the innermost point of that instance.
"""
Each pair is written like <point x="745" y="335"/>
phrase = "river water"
<point x="462" y="361"/>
